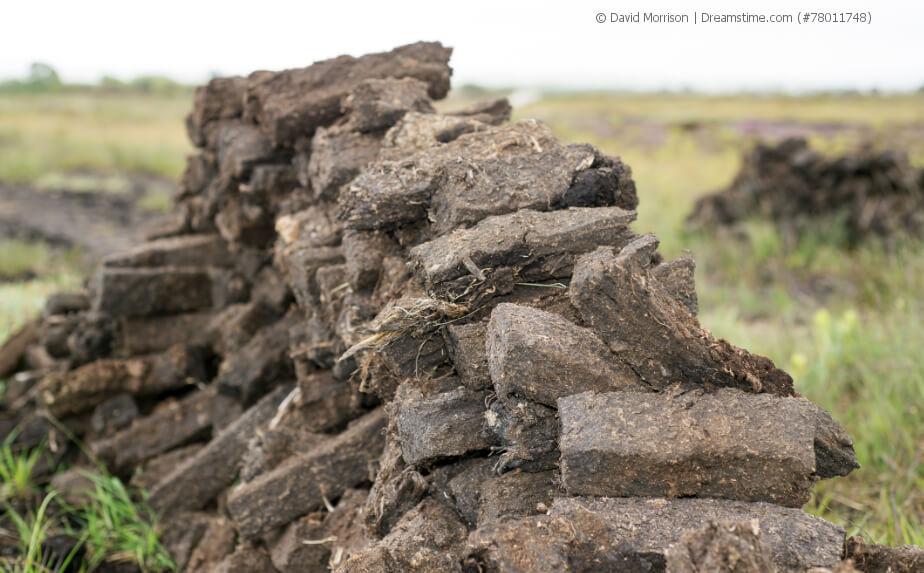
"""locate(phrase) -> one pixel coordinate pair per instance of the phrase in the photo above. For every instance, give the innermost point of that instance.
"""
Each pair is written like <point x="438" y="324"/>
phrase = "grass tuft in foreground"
<point x="16" y="470"/>
<point x="105" y="523"/>
<point x="118" y="528"/>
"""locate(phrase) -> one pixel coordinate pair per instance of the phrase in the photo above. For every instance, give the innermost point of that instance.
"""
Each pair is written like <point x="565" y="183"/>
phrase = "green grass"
<point x="81" y="182"/>
<point x="155" y="201"/>
<point x="867" y="110"/>
<point x="23" y="257"/>
<point x="21" y="301"/>
<point x="63" y="132"/>
<point x="29" y="272"/>
<point x="32" y="530"/>
<point x="116" y="527"/>
<point x="16" y="470"/>
<point x="18" y="258"/>
<point x="107" y="522"/>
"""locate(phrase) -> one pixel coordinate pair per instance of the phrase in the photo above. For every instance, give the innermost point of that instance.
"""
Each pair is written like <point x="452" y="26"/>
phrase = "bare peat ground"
<point x="98" y="222"/>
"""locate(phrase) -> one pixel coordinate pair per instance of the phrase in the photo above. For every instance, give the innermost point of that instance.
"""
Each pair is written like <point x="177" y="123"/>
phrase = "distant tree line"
<point x="42" y="78"/>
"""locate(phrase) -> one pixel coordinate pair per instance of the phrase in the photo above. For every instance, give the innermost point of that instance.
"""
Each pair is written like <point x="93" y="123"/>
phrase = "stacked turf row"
<point x="373" y="337"/>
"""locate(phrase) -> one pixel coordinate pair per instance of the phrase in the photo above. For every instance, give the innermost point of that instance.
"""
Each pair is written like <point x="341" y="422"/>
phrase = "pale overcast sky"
<point x="497" y="43"/>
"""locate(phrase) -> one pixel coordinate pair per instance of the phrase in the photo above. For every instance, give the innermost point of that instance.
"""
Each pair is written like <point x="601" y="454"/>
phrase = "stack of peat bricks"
<point x="870" y="193"/>
<point x="374" y="337"/>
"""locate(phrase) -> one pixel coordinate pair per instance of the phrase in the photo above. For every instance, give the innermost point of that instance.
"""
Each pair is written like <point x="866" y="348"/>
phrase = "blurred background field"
<point x="846" y="325"/>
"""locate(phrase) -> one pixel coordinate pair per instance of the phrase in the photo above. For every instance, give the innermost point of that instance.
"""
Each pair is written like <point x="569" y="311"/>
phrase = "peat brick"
<point x="430" y="539"/>
<point x="540" y="356"/>
<point x="293" y="103"/>
<point x="183" y="251"/>
<point x="634" y="534"/>
<point x="171" y="425"/>
<point x="874" y="558"/>
<point x="377" y="104"/>
<point x="466" y="346"/>
<point x="648" y="328"/>
<point x="721" y="547"/>
<point x="221" y="98"/>
<point x="150" y="291"/>
<point x="86" y="387"/>
<point x="197" y="481"/>
<point x="526" y="246"/>
<point x="727" y="444"/>
<point x="301" y="483"/>
<point x="440" y="426"/>
<point x="260" y="364"/>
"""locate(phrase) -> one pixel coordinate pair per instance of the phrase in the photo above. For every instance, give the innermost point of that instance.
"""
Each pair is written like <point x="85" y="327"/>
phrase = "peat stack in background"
<point x="870" y="193"/>
<point x="373" y="337"/>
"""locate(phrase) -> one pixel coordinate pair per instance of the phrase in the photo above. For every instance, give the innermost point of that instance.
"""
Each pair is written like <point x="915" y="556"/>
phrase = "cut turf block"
<point x="301" y="263"/>
<point x="325" y="403"/>
<point x="151" y="472"/>
<point x="260" y="364"/>
<point x="796" y="539"/>
<point x="397" y="488"/>
<point x="834" y="453"/>
<point x="92" y="384"/>
<point x="66" y="303"/>
<point x="734" y="547"/>
<point x="148" y="334"/>
<point x="197" y="481"/>
<point x="150" y="291"/>
<point x="491" y="111"/>
<point x="634" y="534"/>
<point x="466" y="346"/>
<point x="246" y="557"/>
<point x="294" y="103"/>
<point x="113" y="415"/>
<point x="183" y="251"/>
<point x="873" y="558"/>
<point x="239" y="146"/>
<point x="528" y="435"/>
<point x="422" y="131"/>
<point x="231" y="329"/>
<point x="483" y="497"/>
<point x="221" y="98"/>
<point x="540" y="356"/>
<point x="439" y="426"/>
<point x="653" y="332"/>
<point x="428" y="539"/>
<point x="377" y="104"/>
<point x="272" y="446"/>
<point x="678" y="276"/>
<point x="217" y="541"/>
<point x="486" y="172"/>
<point x="338" y="154"/>
<point x="182" y="534"/>
<point x="171" y="425"/>
<point x="689" y="443"/>
<point x="301" y="483"/>
<point x="303" y="547"/>
<point x="526" y="246"/>
<point x="364" y="252"/>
